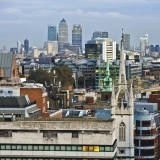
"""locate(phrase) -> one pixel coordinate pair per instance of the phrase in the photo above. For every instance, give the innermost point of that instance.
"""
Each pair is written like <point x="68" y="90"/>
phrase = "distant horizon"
<point x="22" y="20"/>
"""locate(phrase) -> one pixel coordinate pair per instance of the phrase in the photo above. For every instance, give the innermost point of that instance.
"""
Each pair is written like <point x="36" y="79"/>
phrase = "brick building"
<point x="38" y="94"/>
<point x="8" y="67"/>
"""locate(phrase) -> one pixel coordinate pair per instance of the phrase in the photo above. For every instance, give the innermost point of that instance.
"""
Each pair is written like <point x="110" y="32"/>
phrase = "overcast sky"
<point x="21" y="19"/>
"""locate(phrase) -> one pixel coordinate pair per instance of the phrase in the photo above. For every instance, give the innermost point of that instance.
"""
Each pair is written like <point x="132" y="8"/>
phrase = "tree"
<point x="40" y="76"/>
<point x="64" y="74"/>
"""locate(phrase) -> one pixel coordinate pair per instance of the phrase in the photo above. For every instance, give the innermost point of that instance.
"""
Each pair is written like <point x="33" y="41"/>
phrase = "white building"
<point x="123" y="113"/>
<point x="35" y="52"/>
<point x="18" y="47"/>
<point x="51" y="47"/>
<point x="67" y="138"/>
<point x="144" y="43"/>
<point x="108" y="49"/>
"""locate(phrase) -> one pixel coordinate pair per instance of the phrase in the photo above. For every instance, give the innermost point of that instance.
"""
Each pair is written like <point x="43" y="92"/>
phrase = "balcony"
<point x="144" y="147"/>
<point x="145" y="136"/>
<point x="145" y="157"/>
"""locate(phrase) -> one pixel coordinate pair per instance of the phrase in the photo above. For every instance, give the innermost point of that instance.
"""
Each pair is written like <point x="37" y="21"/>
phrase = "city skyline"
<point x="29" y="19"/>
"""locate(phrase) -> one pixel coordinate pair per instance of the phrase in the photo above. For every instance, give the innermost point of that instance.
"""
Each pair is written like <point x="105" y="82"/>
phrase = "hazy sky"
<point x="21" y="19"/>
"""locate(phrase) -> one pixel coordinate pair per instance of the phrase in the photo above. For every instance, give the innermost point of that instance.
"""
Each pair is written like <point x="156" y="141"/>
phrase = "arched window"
<point x="122" y="132"/>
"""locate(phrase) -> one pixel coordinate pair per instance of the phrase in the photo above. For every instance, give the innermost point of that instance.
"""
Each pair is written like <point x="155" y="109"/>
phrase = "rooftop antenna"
<point x="54" y="76"/>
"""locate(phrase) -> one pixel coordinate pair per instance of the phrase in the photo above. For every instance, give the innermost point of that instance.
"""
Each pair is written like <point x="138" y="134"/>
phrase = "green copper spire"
<point x="107" y="81"/>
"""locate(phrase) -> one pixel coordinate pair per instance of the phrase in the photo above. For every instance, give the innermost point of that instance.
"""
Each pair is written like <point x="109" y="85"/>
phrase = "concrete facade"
<point x="28" y="136"/>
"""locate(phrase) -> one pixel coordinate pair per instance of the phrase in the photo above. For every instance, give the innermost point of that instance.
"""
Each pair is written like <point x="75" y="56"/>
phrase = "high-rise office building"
<point x="108" y="49"/>
<point x="96" y="34"/>
<point x="52" y="33"/>
<point x="143" y="43"/>
<point x="104" y="34"/>
<point x="126" y="42"/>
<point x="93" y="50"/>
<point x="18" y="47"/>
<point x="151" y="48"/>
<point x="26" y="46"/>
<point x="157" y="48"/>
<point x="77" y="35"/>
<point x="63" y="35"/>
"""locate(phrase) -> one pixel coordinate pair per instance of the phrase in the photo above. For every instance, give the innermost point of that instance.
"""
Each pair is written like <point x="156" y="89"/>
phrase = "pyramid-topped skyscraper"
<point x="63" y="35"/>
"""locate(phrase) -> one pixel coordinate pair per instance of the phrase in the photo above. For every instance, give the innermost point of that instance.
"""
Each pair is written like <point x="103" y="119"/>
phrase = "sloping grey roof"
<point x="13" y="102"/>
<point x="6" y="60"/>
<point x="90" y="63"/>
<point x="71" y="66"/>
<point x="82" y="66"/>
<point x="67" y="63"/>
<point x="63" y="20"/>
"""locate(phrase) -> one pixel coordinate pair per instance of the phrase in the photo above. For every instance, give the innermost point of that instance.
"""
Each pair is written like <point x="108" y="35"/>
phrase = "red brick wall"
<point x="35" y="94"/>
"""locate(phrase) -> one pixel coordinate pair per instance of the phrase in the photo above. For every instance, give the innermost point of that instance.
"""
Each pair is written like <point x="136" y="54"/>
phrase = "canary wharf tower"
<point x="63" y="35"/>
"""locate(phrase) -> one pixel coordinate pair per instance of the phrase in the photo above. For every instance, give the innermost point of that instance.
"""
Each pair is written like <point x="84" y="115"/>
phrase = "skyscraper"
<point x="108" y="49"/>
<point x="157" y="48"/>
<point x="63" y="35"/>
<point x="104" y="34"/>
<point x="52" y="33"/>
<point x="96" y="34"/>
<point x="18" y="47"/>
<point x="126" y="42"/>
<point x="77" y="35"/>
<point x="26" y="46"/>
<point x="151" y="48"/>
<point x="143" y="43"/>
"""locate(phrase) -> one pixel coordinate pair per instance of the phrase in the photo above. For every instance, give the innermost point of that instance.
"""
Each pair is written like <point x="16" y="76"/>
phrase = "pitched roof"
<point x="63" y="20"/>
<point x="6" y="60"/>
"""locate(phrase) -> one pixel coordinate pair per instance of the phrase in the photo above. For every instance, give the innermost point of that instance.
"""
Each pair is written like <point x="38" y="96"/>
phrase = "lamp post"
<point x="84" y="82"/>
<point x="54" y="76"/>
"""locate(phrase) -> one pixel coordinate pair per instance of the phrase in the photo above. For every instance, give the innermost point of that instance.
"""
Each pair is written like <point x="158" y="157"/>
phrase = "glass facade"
<point x="26" y="45"/>
<point x="77" y="35"/>
<point x="41" y="147"/>
<point x="52" y="33"/>
<point x="63" y="34"/>
<point x="93" y="50"/>
<point x="36" y="158"/>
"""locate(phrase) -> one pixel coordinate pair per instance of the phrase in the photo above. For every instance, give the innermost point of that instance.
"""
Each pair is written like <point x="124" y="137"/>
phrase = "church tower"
<point x="107" y="81"/>
<point x="122" y="110"/>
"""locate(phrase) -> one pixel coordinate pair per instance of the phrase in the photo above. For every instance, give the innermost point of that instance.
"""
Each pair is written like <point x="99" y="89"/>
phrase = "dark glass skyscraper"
<point x="96" y="34"/>
<point x="52" y="33"/>
<point x="26" y="46"/>
<point x="104" y="34"/>
<point x="157" y="48"/>
<point x="151" y="48"/>
<point x="126" y="42"/>
<point x="77" y="35"/>
<point x="93" y="50"/>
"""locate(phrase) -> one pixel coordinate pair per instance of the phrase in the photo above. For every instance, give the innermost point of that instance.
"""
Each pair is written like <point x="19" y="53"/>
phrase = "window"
<point x="68" y="148"/>
<point x="146" y="123"/>
<point x="122" y="130"/>
<point x="38" y="147"/>
<point x="137" y="123"/>
<point x="35" y="148"/>
<point x="74" y="134"/>
<point x="13" y="147"/>
<point x="74" y="148"/>
<point x="8" y="147"/>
